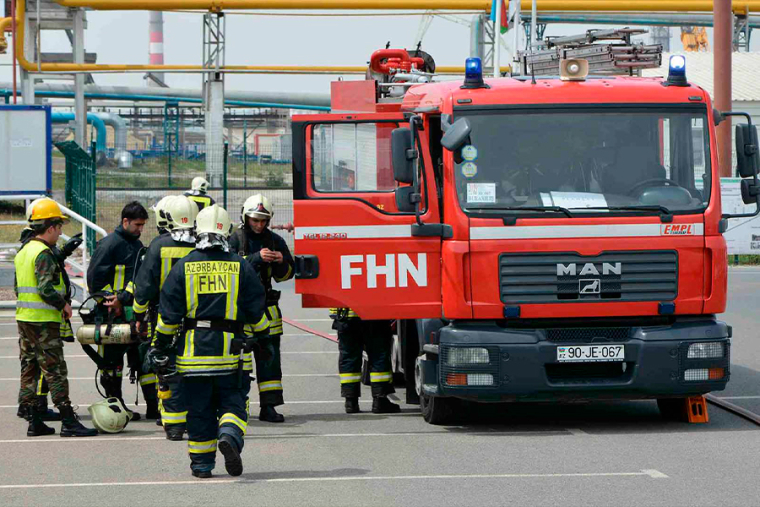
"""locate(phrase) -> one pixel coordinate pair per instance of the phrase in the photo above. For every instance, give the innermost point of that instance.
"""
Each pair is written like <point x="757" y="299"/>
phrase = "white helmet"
<point x="213" y="220"/>
<point x="199" y="184"/>
<point x="257" y="206"/>
<point x="109" y="415"/>
<point x="179" y="213"/>
<point x="157" y="208"/>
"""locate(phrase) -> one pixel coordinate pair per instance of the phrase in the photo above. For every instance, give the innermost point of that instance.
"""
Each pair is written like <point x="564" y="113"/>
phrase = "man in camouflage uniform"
<point x="41" y="308"/>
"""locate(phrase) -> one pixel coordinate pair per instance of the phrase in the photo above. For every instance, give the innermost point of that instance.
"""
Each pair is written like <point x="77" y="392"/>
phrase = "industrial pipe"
<point x="485" y="5"/>
<point x="121" y="155"/>
<point x="97" y="123"/>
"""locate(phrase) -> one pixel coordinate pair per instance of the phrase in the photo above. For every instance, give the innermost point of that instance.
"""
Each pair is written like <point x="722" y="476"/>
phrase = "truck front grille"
<point x="573" y="278"/>
<point x="588" y="334"/>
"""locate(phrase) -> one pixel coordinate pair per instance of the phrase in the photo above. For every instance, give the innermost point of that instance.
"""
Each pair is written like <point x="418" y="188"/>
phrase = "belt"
<point x="226" y="326"/>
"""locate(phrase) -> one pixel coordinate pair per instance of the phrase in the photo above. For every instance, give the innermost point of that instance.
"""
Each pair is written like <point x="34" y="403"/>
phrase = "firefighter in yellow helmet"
<point x="218" y="300"/>
<point x="176" y="214"/>
<point x="198" y="193"/>
<point x="270" y="257"/>
<point x="41" y="307"/>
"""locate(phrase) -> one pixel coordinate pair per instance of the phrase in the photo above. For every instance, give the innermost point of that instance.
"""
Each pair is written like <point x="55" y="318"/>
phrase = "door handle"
<point x="307" y="267"/>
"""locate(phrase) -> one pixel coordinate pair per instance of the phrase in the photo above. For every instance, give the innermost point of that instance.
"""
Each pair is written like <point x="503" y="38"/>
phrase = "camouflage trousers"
<point x="41" y="353"/>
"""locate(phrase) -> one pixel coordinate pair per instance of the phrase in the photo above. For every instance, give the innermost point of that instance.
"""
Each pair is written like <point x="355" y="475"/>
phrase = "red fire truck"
<point x="550" y="239"/>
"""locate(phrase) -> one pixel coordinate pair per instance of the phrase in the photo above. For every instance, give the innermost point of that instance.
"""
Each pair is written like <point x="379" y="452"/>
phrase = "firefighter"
<point x="112" y="270"/>
<point x="41" y="309"/>
<point x="376" y="336"/>
<point x="198" y="193"/>
<point x="177" y="215"/>
<point x="219" y="301"/>
<point x="268" y="253"/>
<point x="67" y="335"/>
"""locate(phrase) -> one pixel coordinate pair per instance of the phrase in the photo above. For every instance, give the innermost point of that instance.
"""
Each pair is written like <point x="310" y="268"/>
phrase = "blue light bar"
<point x="677" y="71"/>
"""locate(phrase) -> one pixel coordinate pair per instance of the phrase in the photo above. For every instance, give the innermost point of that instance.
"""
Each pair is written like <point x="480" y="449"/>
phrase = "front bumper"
<point x="523" y="362"/>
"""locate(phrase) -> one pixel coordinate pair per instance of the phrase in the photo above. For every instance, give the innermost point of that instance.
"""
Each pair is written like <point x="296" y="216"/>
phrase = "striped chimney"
<point x="156" y="48"/>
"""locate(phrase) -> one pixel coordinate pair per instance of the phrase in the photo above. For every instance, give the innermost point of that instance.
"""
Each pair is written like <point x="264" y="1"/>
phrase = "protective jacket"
<point x="163" y="252"/>
<point x="202" y="200"/>
<point x="113" y="264"/>
<point x="39" y="284"/>
<point x="248" y="245"/>
<point x="213" y="295"/>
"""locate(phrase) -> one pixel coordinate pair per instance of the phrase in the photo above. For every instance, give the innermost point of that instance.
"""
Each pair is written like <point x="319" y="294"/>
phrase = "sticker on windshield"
<point x="481" y="193"/>
<point x="470" y="153"/>
<point x="469" y="169"/>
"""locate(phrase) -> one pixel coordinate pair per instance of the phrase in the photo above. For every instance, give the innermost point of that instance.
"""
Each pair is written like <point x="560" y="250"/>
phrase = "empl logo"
<point x="677" y="230"/>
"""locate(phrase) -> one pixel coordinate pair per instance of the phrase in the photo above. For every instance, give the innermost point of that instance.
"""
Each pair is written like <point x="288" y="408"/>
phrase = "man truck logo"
<point x="398" y="268"/>
<point x="590" y="286"/>
<point x="608" y="268"/>
<point x="678" y="230"/>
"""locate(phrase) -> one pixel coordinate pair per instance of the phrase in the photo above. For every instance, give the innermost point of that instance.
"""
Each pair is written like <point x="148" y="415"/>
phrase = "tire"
<point x="435" y="410"/>
<point x="672" y="409"/>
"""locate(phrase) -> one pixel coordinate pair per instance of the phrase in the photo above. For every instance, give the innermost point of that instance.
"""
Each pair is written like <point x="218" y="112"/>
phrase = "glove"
<point x="160" y="361"/>
<point x="71" y="245"/>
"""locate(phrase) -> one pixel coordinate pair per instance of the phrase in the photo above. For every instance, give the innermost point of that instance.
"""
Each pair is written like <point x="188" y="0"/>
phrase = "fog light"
<point x="479" y="379"/>
<point x="716" y="373"/>
<point x="707" y="350"/>
<point x="696" y="374"/>
<point x="458" y="356"/>
<point x="456" y="379"/>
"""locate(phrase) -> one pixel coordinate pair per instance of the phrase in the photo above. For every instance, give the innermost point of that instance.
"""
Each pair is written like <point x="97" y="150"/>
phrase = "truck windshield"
<point x="581" y="159"/>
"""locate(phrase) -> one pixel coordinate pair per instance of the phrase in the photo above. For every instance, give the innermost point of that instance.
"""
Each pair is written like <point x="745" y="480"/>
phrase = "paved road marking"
<point x="312" y="320"/>
<point x="79" y="356"/>
<point x="738" y="397"/>
<point x="654" y="474"/>
<point x="309" y="402"/>
<point x="15" y="379"/>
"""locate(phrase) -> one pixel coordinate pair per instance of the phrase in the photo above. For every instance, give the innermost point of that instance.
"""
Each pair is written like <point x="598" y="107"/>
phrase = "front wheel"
<point x="435" y="410"/>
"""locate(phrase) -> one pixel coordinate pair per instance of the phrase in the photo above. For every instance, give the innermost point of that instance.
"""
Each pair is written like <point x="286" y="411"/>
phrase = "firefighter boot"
<point x="71" y="427"/>
<point x="174" y="432"/>
<point x="382" y="405"/>
<point x="269" y="414"/>
<point x="232" y="461"/>
<point x="202" y="474"/>
<point x="352" y="406"/>
<point x="37" y="428"/>
<point x="47" y="414"/>
<point x="152" y="412"/>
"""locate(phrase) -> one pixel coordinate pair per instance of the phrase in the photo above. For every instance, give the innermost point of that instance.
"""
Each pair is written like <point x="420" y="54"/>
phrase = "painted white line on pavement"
<point x="738" y="397"/>
<point x="12" y="379"/>
<point x="294" y="335"/>
<point x="313" y="320"/>
<point x="643" y="473"/>
<point x="81" y="356"/>
<point x="252" y="403"/>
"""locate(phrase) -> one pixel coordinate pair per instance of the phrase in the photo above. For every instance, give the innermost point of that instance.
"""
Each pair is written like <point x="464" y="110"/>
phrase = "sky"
<point x="122" y="37"/>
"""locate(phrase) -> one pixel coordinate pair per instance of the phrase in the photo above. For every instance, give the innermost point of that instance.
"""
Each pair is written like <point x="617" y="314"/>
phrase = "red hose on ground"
<point x="310" y="330"/>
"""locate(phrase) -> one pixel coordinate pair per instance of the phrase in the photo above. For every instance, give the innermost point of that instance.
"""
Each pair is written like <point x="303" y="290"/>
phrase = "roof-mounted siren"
<point x="473" y="74"/>
<point x="677" y="71"/>
<point x="573" y="69"/>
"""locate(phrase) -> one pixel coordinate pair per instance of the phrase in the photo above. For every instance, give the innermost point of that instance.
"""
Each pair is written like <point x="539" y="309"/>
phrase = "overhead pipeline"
<point x="97" y="123"/>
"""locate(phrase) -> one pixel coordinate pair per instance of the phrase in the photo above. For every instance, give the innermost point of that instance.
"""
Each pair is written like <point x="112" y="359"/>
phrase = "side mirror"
<point x="750" y="191"/>
<point x="406" y="199"/>
<point x="747" y="158"/>
<point x="403" y="155"/>
<point x="457" y="134"/>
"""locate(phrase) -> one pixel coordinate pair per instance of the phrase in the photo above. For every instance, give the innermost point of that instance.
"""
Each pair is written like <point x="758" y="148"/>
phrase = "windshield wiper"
<point x="665" y="214"/>
<point x="555" y="209"/>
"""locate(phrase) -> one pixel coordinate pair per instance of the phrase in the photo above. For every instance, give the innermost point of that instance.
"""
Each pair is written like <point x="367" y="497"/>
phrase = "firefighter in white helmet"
<point x="198" y="193"/>
<point x="161" y="221"/>
<point x="269" y="255"/>
<point x="218" y="300"/>
<point x="177" y="215"/>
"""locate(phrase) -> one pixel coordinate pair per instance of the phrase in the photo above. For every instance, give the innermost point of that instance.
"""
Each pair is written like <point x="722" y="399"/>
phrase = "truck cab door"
<point x="354" y="247"/>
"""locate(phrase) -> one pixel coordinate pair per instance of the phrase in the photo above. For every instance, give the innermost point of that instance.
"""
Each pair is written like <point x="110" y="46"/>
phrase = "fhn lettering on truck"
<point x="392" y="271"/>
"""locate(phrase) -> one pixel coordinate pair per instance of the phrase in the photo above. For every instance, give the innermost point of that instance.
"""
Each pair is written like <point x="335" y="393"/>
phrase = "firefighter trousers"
<point x="374" y="336"/>
<point x="269" y="371"/>
<point x="216" y="405"/>
<point x="111" y="375"/>
<point x="174" y="409"/>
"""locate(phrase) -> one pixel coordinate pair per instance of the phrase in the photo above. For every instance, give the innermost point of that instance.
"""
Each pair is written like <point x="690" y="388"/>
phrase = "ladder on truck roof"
<point x="622" y="58"/>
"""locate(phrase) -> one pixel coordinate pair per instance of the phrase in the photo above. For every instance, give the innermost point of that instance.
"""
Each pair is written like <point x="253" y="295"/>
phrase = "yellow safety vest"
<point x="30" y="307"/>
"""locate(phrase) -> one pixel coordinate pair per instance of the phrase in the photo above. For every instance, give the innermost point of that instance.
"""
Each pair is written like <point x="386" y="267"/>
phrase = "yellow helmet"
<point x="213" y="220"/>
<point x="257" y="206"/>
<point x="44" y="209"/>
<point x="109" y="415"/>
<point x="179" y="213"/>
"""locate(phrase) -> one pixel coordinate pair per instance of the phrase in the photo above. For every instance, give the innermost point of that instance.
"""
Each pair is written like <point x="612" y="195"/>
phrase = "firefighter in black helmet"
<point x="218" y="300"/>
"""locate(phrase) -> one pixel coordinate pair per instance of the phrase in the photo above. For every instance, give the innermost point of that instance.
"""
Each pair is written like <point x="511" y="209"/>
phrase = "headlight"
<point x="707" y="350"/>
<point x="459" y="356"/>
